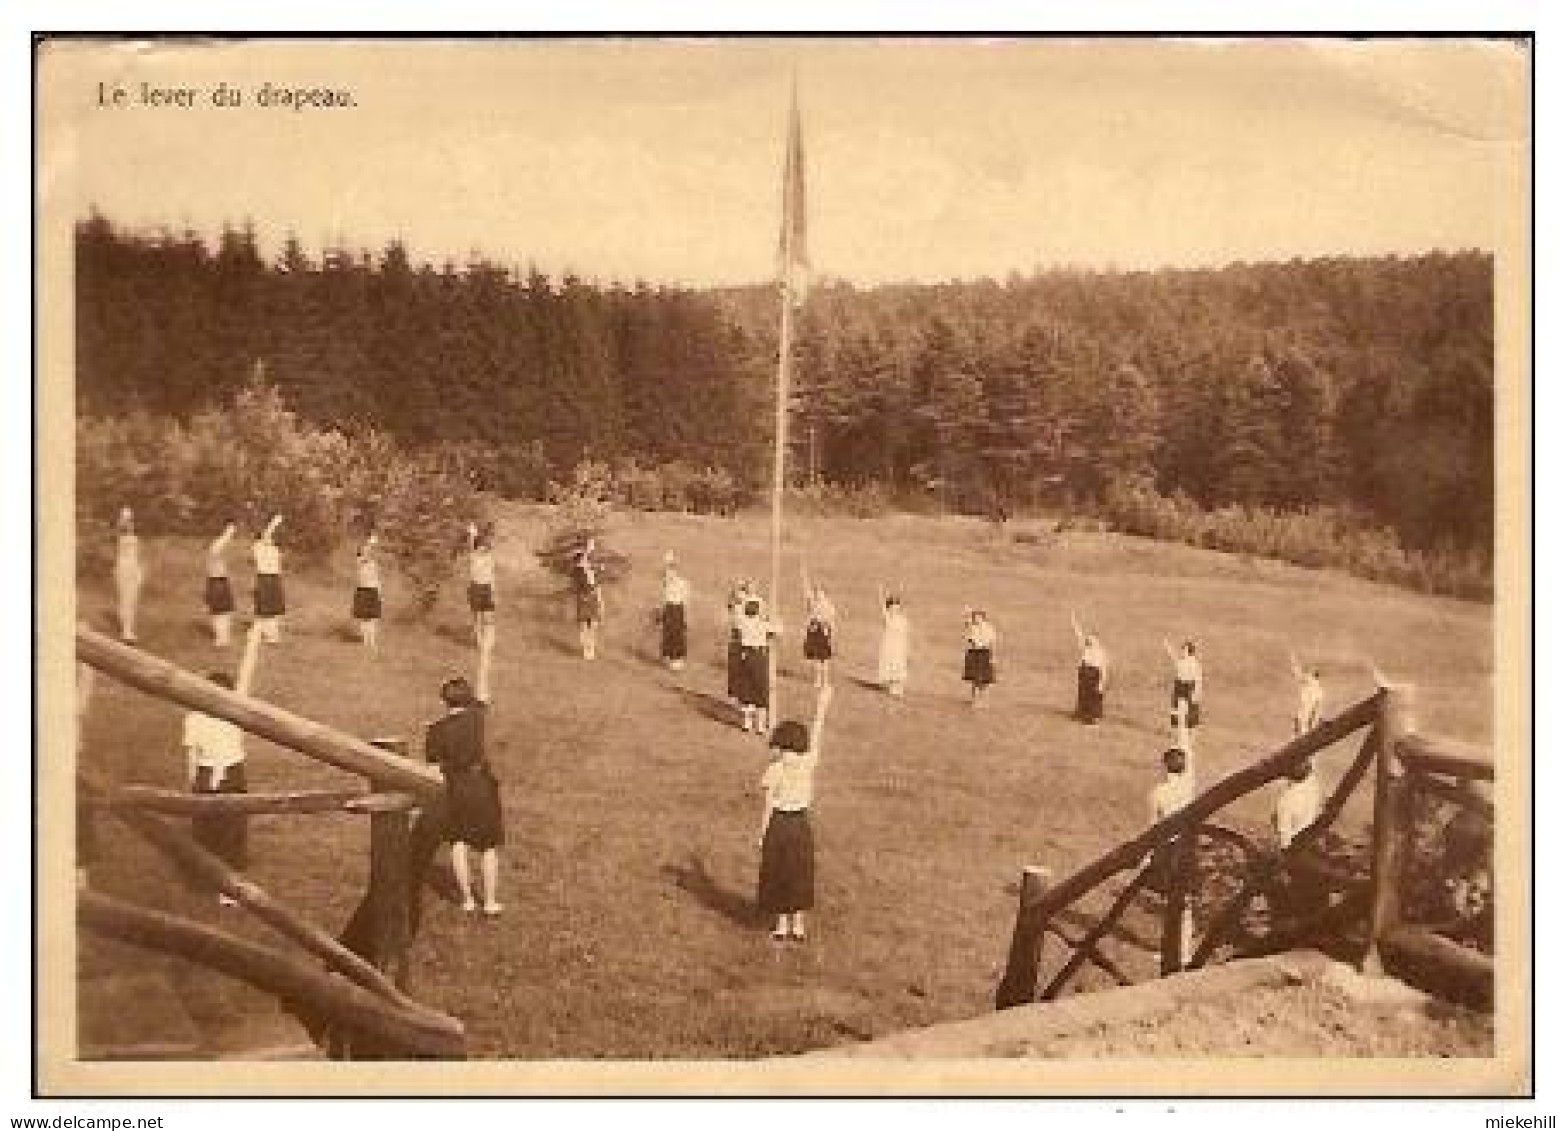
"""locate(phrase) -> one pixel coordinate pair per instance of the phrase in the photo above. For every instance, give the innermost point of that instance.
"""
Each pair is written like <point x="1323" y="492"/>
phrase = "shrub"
<point x="421" y="512"/>
<point x="582" y="509"/>
<point x="253" y="459"/>
<point x="1318" y="537"/>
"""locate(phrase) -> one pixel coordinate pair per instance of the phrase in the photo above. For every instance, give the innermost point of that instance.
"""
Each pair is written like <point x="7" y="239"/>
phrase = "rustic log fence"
<point x="358" y="1006"/>
<point x="1400" y="759"/>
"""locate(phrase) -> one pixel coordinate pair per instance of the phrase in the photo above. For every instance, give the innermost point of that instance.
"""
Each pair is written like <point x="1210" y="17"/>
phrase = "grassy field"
<point x="631" y="797"/>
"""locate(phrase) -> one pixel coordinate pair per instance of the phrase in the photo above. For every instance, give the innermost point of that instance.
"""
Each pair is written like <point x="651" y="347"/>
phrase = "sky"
<point x="925" y="159"/>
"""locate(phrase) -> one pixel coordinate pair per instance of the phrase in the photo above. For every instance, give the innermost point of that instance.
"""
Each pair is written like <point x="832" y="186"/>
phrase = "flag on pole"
<point x="793" y="262"/>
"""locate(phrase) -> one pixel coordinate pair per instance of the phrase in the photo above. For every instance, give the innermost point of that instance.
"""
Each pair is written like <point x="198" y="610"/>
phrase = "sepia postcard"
<point x="744" y="566"/>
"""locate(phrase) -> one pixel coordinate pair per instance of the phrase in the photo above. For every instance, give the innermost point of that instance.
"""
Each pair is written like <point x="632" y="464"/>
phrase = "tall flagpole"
<point x="791" y="258"/>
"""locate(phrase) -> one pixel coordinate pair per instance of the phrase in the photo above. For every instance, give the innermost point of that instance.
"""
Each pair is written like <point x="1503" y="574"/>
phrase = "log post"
<point x="1388" y="832"/>
<point x="1175" y="943"/>
<point x="390" y="876"/>
<point x="1021" y="980"/>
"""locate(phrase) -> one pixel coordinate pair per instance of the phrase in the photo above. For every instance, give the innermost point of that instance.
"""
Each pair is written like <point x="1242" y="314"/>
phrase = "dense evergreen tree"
<point x="1361" y="384"/>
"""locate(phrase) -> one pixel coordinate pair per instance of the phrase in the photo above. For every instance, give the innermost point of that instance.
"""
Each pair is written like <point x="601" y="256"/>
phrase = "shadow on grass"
<point x="454" y="632"/>
<point x="713" y="707"/>
<point x="693" y="878"/>
<point x="868" y="684"/>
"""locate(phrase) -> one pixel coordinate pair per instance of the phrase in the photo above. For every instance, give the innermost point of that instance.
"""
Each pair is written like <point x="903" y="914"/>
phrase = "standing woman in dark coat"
<point x="455" y="742"/>
<point x="786" y="886"/>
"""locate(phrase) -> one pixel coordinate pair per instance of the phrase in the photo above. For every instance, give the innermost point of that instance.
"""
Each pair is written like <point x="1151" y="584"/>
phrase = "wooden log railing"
<point x="373" y="953"/>
<point x="1458" y="775"/>
<point x="421" y="1033"/>
<point x="167" y="681"/>
<point x="1402" y="762"/>
<point x="1019" y="984"/>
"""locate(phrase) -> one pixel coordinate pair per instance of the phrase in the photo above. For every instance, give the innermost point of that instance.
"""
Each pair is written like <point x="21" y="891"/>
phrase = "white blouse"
<point x="981" y="635"/>
<point x="212" y="742"/>
<point x="217" y="562"/>
<point x="127" y="554"/>
<point x="676" y="590"/>
<point x="481" y="567"/>
<point x="1171" y="795"/>
<point x="1188" y="669"/>
<point x="1310" y="703"/>
<point x="823" y="611"/>
<point x="754" y="631"/>
<point x="269" y="559"/>
<point x="790" y="782"/>
<point x="369" y="573"/>
<point x="1298" y="807"/>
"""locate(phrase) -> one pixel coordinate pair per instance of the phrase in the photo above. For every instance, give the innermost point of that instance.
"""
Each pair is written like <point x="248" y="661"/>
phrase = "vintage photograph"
<point x="783" y="566"/>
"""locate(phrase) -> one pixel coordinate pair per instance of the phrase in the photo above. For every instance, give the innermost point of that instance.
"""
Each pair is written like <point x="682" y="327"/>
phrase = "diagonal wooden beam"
<point x="160" y="678"/>
<point x="1091" y="939"/>
<point x="424" y="1033"/>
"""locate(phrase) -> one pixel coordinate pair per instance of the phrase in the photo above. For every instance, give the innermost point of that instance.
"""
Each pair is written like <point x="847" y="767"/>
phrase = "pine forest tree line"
<point x="1360" y="384"/>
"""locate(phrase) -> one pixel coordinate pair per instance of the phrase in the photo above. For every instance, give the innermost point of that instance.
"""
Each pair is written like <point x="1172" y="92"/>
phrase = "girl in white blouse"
<point x="978" y="664"/>
<point x="820" y="628"/>
<point x="366" y="607"/>
<point x="786" y="886"/>
<point x="1308" y="712"/>
<point x="215" y="763"/>
<point x="270" y="605"/>
<point x="673" y="642"/>
<point x="1168" y="797"/>
<point x="756" y="630"/>
<point x="220" y="591"/>
<point x="1187" y="683"/>
<point x="892" y="659"/>
<point x="1299" y="805"/>
<point x="481" y="583"/>
<point x="1092" y="675"/>
<point x="128" y="574"/>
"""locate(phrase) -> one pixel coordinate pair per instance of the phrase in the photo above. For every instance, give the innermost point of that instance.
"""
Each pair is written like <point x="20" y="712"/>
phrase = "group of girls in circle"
<point x="270" y="605"/>
<point x="214" y="747"/>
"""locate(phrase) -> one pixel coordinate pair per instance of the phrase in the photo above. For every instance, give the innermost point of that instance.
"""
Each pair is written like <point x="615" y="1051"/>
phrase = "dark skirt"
<point x="226" y="835"/>
<point x="269" y="595"/>
<point x="672" y="643"/>
<point x="481" y="598"/>
<point x="753" y="677"/>
<point x="589" y="606"/>
<point x="473" y="814"/>
<point x="734" y="679"/>
<point x="366" y="603"/>
<point x="1090" y="694"/>
<point x="220" y="596"/>
<point x="1185" y="689"/>
<point x="978" y="667"/>
<point x="818" y="642"/>
<point x="788" y="865"/>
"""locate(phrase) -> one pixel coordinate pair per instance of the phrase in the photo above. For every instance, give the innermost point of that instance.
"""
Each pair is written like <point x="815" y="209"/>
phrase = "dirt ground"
<point x="1297" y="1005"/>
